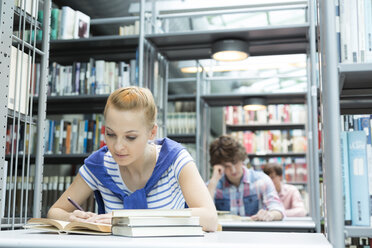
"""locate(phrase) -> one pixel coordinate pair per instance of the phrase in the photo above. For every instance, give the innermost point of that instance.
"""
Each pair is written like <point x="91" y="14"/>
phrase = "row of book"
<point x="273" y="141"/>
<point x="130" y="29"/>
<point x="182" y="106"/>
<point x="90" y="78"/>
<point x="354" y="23"/>
<point x="294" y="169"/>
<point x="356" y="162"/>
<point x="20" y="138"/>
<point x="359" y="242"/>
<point x="75" y="136"/>
<point x="181" y="123"/>
<point x="67" y="23"/>
<point x="52" y="189"/>
<point x="273" y="114"/>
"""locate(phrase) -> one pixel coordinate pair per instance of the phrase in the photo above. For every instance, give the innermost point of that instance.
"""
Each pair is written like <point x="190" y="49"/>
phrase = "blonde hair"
<point x="133" y="98"/>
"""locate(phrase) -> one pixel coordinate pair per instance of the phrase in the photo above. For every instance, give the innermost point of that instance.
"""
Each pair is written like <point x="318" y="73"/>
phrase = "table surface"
<point x="35" y="238"/>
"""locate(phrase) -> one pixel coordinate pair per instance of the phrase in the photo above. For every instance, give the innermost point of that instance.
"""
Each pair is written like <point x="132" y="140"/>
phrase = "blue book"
<point x="359" y="194"/>
<point x="51" y="137"/>
<point x="365" y="126"/>
<point x="85" y="137"/>
<point x="345" y="177"/>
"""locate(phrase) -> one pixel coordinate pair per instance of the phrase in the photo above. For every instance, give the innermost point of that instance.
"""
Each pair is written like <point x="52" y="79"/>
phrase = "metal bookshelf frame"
<point x="347" y="90"/>
<point x="330" y="107"/>
<point x="17" y="161"/>
<point x="173" y="46"/>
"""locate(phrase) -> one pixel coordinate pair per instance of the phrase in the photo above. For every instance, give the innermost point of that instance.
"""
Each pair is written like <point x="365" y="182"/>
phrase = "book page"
<point x="98" y="227"/>
<point x="59" y="224"/>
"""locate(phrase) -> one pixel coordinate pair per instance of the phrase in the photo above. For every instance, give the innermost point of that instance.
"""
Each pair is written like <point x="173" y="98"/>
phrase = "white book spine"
<point x="368" y="29"/>
<point x="361" y="32"/>
<point x="345" y="31"/>
<point x="353" y="26"/>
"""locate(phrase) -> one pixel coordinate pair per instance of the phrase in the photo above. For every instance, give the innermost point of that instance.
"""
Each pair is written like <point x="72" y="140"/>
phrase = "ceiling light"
<point x="254" y="103"/>
<point x="230" y="50"/>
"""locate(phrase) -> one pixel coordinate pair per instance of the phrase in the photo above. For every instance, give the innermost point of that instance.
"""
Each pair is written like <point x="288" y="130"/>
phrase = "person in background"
<point x="134" y="172"/>
<point x="289" y="194"/>
<point x="236" y="188"/>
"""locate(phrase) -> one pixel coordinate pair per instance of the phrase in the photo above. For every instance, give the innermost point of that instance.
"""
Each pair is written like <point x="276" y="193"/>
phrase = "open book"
<point x="60" y="226"/>
<point x="224" y="216"/>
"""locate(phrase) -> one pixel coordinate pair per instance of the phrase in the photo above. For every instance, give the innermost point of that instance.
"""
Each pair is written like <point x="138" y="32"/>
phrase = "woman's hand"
<point x="81" y="216"/>
<point x="101" y="218"/>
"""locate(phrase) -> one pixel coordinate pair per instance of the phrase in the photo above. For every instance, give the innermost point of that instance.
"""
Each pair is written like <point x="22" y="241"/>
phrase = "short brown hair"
<point x="273" y="167"/>
<point x="226" y="149"/>
<point x="133" y="98"/>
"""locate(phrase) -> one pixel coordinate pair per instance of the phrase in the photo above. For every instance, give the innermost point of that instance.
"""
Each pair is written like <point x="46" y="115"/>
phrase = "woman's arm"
<point x="62" y="209"/>
<point x="197" y="196"/>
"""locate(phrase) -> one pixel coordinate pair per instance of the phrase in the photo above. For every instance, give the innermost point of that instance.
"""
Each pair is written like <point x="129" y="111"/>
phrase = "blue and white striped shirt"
<point x="166" y="193"/>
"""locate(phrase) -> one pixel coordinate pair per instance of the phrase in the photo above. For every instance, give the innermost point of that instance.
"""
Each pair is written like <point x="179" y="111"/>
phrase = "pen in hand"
<point x="75" y="204"/>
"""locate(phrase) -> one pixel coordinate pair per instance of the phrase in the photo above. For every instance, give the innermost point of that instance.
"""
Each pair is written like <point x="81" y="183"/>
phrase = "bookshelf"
<point x="263" y="41"/>
<point x="345" y="90"/>
<point x="108" y="47"/>
<point x="272" y="40"/>
<point x="255" y="127"/>
<point x="220" y="100"/>
<point x="286" y="39"/>
<point x="75" y="104"/>
<point x="18" y="48"/>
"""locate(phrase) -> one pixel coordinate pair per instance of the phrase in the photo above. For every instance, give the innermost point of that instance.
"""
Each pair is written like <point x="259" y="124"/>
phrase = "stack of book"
<point x="155" y="223"/>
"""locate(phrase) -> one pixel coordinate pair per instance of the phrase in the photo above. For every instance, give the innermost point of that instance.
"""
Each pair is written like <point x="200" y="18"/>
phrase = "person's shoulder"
<point x="256" y="174"/>
<point x="289" y="187"/>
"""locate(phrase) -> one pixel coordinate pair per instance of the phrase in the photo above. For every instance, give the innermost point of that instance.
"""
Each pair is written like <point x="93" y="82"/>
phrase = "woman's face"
<point x="127" y="133"/>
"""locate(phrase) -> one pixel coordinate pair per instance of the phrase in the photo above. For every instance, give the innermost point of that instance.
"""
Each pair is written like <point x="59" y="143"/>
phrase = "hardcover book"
<point x="152" y="212"/>
<point x="158" y="231"/>
<point x="155" y="221"/>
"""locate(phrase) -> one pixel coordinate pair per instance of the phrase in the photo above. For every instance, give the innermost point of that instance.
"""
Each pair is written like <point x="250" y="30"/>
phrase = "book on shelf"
<point x="67" y="24"/>
<point x="82" y="24"/>
<point x="359" y="195"/>
<point x="355" y="38"/>
<point x="345" y="177"/>
<point x="20" y="63"/>
<point x="158" y="231"/>
<point x="59" y="226"/>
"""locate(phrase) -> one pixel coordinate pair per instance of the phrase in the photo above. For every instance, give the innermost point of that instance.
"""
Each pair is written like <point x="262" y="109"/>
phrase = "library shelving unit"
<point x="109" y="48"/>
<point x="17" y="82"/>
<point x="271" y="40"/>
<point x="182" y="138"/>
<point x="346" y="89"/>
